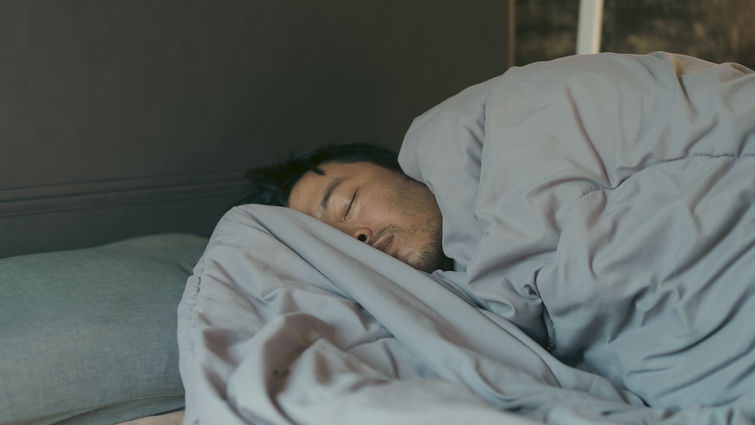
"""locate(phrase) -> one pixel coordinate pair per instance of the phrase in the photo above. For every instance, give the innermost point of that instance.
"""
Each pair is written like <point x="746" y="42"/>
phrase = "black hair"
<point x="272" y="185"/>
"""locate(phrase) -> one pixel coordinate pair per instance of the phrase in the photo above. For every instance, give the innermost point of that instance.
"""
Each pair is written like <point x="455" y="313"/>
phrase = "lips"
<point x="384" y="244"/>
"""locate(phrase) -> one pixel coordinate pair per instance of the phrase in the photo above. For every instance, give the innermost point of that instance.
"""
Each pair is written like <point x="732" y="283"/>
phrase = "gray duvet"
<point x="600" y="212"/>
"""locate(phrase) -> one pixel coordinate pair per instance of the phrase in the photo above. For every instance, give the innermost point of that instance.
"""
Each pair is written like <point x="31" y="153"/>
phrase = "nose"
<point x="362" y="234"/>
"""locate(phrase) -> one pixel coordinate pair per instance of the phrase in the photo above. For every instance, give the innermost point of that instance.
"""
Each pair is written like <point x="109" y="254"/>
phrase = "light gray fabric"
<point x="88" y="336"/>
<point x="604" y="204"/>
<point x="286" y="320"/>
<point x="600" y="203"/>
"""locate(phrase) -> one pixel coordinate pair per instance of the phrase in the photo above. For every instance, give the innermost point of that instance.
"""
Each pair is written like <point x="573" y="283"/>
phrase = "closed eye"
<point x="346" y="214"/>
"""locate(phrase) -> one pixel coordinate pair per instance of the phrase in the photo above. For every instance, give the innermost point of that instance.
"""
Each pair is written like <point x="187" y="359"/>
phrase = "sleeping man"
<point x="586" y="229"/>
<point x="360" y="190"/>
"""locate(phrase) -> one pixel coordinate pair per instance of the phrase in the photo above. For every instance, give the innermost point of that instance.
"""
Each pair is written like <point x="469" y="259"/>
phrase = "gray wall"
<point x="120" y="118"/>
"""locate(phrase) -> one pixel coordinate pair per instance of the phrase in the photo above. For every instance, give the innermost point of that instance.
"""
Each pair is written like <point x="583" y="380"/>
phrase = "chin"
<point x="426" y="263"/>
<point x="426" y="257"/>
<point x="431" y="258"/>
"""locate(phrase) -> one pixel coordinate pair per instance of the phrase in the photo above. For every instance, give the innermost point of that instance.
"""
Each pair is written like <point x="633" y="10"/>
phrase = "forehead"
<point x="307" y="193"/>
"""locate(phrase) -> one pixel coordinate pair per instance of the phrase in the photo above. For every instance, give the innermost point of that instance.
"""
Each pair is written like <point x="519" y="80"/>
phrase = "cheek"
<point x="399" y="206"/>
<point x="380" y="208"/>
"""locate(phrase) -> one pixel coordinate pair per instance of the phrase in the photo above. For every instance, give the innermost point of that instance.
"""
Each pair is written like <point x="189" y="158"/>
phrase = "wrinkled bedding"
<point x="599" y="212"/>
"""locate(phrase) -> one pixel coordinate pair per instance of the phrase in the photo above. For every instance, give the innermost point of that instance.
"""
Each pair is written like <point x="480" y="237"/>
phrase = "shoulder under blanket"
<point x="604" y="204"/>
<point x="289" y="321"/>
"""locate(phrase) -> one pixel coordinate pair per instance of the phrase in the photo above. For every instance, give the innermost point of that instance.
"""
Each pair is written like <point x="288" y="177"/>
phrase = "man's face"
<point x="378" y="206"/>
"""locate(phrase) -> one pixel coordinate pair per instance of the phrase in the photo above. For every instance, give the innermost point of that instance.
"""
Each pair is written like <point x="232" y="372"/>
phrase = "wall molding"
<point x="50" y="198"/>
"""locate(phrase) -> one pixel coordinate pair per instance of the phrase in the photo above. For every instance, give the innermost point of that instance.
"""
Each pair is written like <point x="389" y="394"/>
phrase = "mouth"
<point x="384" y="244"/>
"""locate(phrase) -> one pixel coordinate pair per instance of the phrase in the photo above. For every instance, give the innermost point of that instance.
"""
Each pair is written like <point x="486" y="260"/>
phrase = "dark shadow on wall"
<point x="122" y="118"/>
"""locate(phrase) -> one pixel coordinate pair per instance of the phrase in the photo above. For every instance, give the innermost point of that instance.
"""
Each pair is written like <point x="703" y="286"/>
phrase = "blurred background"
<point x="715" y="30"/>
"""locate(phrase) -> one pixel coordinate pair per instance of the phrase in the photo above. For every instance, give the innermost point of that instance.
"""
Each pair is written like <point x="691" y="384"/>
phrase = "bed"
<point x="600" y="211"/>
<point x="126" y="127"/>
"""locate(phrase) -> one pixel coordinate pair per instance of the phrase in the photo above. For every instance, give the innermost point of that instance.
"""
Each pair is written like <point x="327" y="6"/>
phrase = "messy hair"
<point x="272" y="185"/>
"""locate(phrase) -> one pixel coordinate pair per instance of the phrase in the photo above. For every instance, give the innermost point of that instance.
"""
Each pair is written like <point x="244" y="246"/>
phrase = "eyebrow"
<point x="328" y="192"/>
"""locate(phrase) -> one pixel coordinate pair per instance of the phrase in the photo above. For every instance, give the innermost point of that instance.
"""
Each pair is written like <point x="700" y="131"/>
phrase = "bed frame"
<point x="126" y="118"/>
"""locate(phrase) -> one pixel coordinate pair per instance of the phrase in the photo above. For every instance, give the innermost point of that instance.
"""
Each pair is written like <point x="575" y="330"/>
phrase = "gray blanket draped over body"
<point x="599" y="206"/>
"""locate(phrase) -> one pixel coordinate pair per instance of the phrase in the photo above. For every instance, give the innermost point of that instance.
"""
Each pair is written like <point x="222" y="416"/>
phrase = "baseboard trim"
<point x="51" y="198"/>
